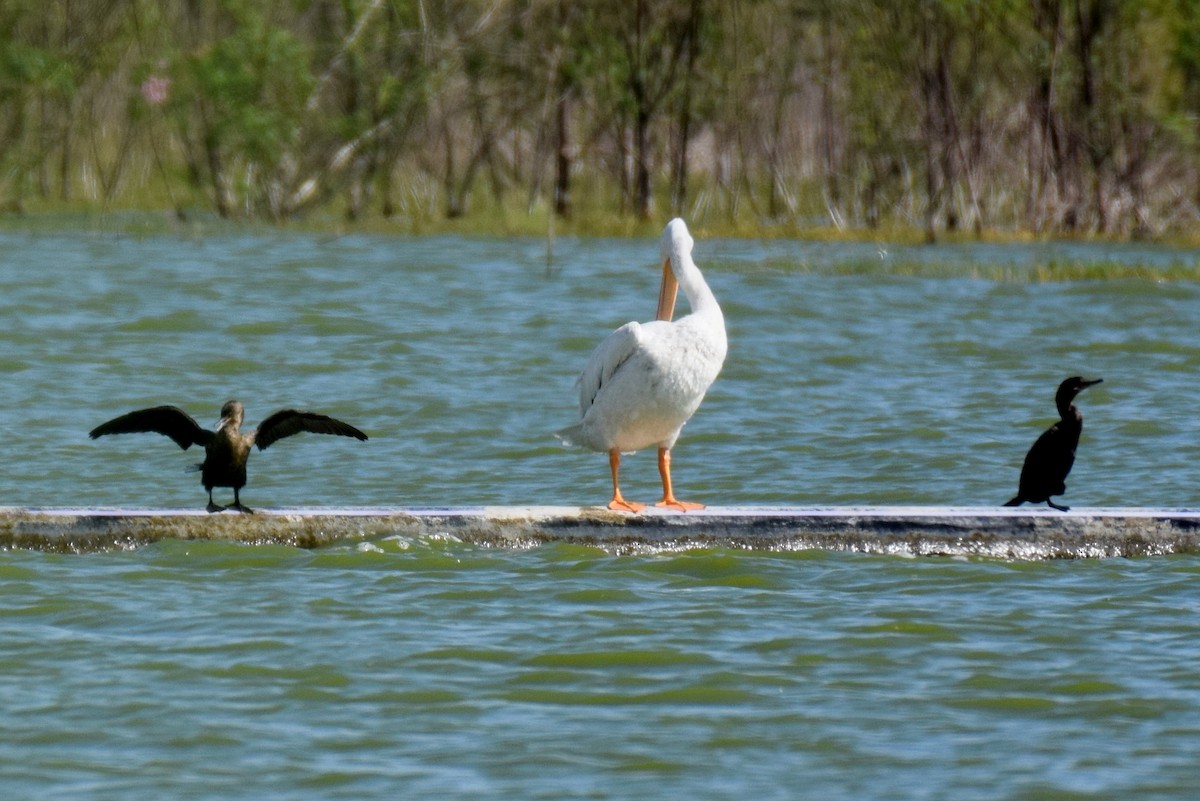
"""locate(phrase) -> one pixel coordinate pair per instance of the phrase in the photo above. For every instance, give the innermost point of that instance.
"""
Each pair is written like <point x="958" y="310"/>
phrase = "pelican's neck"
<point x="700" y="298"/>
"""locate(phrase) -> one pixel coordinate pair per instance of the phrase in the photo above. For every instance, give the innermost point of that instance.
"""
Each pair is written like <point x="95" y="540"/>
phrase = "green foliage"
<point x="1052" y="116"/>
<point x="250" y="88"/>
<point x="36" y="70"/>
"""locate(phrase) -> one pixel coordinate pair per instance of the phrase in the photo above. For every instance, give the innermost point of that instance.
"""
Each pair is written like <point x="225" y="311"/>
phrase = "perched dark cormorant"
<point x="226" y="449"/>
<point x="1052" y="455"/>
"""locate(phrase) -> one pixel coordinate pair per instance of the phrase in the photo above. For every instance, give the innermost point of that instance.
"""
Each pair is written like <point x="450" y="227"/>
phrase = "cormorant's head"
<point x="232" y="413"/>
<point x="1068" y="389"/>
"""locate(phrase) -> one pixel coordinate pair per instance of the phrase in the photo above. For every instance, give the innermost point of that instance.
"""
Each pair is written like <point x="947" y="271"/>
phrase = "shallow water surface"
<point x="856" y="374"/>
<point x="429" y="668"/>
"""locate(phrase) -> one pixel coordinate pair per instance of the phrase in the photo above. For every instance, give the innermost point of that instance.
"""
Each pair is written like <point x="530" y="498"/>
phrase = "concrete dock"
<point x="1003" y="533"/>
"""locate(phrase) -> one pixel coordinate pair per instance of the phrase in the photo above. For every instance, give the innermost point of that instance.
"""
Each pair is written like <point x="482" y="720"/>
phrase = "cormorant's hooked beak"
<point x="1085" y="383"/>
<point x="667" y="292"/>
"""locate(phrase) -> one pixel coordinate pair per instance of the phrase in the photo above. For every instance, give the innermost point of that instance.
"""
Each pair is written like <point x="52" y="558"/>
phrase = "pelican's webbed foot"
<point x="681" y="506"/>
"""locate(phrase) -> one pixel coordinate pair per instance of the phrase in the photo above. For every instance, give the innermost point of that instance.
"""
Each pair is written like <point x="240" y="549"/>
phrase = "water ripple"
<point x="422" y="666"/>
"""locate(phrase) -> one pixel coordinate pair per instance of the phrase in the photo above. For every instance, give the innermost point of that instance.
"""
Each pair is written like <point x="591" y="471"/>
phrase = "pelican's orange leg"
<point x="618" y="503"/>
<point x="669" y="500"/>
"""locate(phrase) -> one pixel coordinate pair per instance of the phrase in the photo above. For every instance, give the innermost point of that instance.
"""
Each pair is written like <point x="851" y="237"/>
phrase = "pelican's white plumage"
<point x="645" y="380"/>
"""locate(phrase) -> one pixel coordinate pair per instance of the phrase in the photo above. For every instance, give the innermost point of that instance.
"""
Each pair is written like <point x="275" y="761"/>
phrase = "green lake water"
<point x="400" y="667"/>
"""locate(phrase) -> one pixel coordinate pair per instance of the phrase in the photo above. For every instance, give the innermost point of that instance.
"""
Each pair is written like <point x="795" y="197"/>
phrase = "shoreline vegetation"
<point x="536" y="223"/>
<point x="1181" y="264"/>
<point x="943" y="120"/>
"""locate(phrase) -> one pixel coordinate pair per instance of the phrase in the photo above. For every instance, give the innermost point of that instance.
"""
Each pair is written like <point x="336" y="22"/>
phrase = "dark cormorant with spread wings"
<point x="226" y="449"/>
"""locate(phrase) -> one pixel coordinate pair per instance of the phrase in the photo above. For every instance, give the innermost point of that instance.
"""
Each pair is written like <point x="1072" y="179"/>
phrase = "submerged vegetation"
<point x="948" y="118"/>
<point x="1037" y="272"/>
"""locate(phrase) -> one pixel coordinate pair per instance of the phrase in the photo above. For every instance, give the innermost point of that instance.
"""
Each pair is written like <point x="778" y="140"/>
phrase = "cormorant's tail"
<point x="1017" y="501"/>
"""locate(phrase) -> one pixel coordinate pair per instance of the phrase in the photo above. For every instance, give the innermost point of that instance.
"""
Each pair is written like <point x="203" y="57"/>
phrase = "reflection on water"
<point x="458" y="356"/>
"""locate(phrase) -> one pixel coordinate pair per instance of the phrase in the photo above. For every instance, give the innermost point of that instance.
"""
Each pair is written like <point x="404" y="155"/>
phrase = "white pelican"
<point x="644" y="381"/>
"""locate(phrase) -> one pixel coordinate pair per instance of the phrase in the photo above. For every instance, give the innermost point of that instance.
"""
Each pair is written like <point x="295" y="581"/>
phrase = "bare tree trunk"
<point x="64" y="156"/>
<point x="1088" y="22"/>
<point x="43" y="157"/>
<point x="454" y="205"/>
<point x="562" y="154"/>
<point x="773" y="159"/>
<point x="564" y="150"/>
<point x="624" y="165"/>
<point x="12" y="131"/>
<point x="782" y="92"/>
<point x="949" y="140"/>
<point x="643" y="199"/>
<point x="1053" y="158"/>
<point x="679" y="182"/>
<point x="832" y="183"/>
<point x="216" y="174"/>
<point x="871" y="194"/>
<point x="928" y="96"/>
<point x="110" y="178"/>
<point x="70" y="110"/>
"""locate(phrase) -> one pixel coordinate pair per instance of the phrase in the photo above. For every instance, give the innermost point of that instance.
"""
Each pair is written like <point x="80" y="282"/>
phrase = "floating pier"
<point x="1003" y="533"/>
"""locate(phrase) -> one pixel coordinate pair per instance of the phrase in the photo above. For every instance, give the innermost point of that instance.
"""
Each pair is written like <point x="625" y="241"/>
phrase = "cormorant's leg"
<point x="237" y="504"/>
<point x="669" y="501"/>
<point x="1054" y="505"/>
<point x="618" y="503"/>
<point x="212" y="507"/>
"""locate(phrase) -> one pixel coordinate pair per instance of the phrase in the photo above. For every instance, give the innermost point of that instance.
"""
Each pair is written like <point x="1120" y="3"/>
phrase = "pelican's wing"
<point x="605" y="360"/>
<point x="286" y="422"/>
<point x="169" y="421"/>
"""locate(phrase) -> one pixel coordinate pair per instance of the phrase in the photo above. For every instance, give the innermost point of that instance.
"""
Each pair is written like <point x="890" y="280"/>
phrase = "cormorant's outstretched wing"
<point x="286" y="422"/>
<point x="169" y="421"/>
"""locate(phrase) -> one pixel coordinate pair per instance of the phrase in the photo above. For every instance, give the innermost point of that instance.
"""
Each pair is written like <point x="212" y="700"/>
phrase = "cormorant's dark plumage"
<point x="226" y="449"/>
<point x="1053" y="454"/>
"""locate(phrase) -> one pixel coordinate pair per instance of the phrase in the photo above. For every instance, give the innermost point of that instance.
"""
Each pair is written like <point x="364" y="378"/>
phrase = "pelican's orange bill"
<point x="667" y="292"/>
